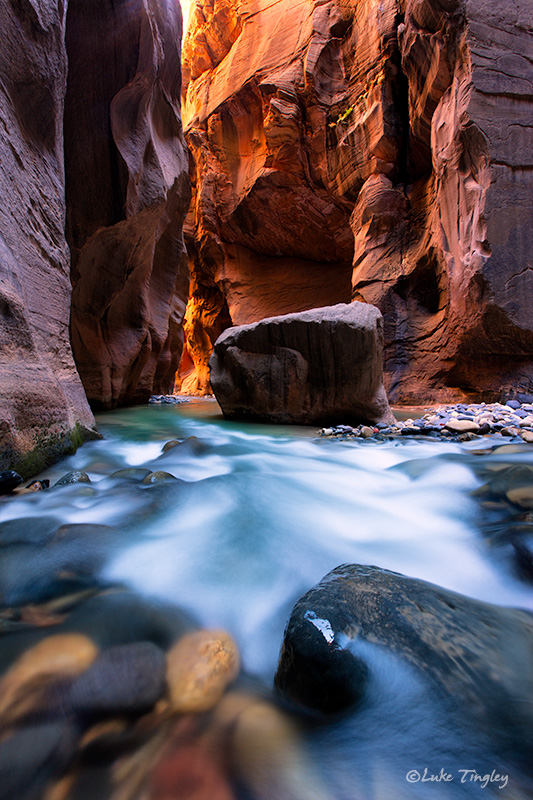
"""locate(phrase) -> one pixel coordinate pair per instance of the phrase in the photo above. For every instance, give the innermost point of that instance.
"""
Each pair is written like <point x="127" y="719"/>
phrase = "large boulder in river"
<point x="478" y="655"/>
<point x="312" y="367"/>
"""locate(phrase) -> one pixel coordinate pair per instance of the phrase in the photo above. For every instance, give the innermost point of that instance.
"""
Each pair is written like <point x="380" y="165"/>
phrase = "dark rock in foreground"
<point x="9" y="480"/>
<point x="323" y="365"/>
<point x="478" y="654"/>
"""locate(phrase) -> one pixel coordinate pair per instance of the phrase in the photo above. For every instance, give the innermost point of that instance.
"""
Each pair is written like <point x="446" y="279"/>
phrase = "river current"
<point x="261" y="513"/>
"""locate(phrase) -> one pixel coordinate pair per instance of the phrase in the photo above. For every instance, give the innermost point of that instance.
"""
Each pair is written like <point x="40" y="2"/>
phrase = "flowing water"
<point x="257" y="516"/>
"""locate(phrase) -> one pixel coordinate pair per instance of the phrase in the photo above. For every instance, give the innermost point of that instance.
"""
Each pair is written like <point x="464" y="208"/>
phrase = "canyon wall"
<point x="43" y="409"/>
<point x="92" y="157"/>
<point x="369" y="150"/>
<point x="127" y="190"/>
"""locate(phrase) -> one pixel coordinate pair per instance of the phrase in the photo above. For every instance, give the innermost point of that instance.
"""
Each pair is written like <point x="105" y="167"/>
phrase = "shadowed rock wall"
<point x="43" y="410"/>
<point x="127" y="195"/>
<point x="383" y="142"/>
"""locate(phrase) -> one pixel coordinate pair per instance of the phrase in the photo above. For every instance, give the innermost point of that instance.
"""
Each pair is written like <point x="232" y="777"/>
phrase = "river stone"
<point x="127" y="679"/>
<point x="199" y="668"/>
<point x="508" y="479"/>
<point x="73" y="477"/>
<point x="462" y="426"/>
<point x="9" y="480"/>
<point x="523" y="547"/>
<point x="521" y="496"/>
<point x="479" y="655"/>
<point x="130" y="474"/>
<point x="32" y="756"/>
<point x="158" y="477"/>
<point x="322" y="366"/>
<point x="25" y="686"/>
<point x="28" y="530"/>
<point x="268" y="753"/>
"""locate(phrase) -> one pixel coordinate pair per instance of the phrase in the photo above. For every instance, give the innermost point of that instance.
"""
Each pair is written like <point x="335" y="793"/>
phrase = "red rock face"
<point x="381" y="142"/>
<point x="43" y="409"/>
<point x="127" y="194"/>
<point x="269" y="232"/>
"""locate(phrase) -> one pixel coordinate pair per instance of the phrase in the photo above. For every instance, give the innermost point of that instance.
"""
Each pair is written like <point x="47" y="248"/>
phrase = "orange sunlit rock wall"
<point x="368" y="150"/>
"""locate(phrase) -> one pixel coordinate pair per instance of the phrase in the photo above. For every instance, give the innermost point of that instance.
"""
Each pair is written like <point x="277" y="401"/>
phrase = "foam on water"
<point x="260" y="515"/>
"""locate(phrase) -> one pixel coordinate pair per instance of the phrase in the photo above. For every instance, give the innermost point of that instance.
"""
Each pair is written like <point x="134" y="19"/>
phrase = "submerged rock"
<point x="323" y="365"/>
<point x="130" y="474"/>
<point x="30" y="757"/>
<point x="73" y="477"/>
<point x="477" y="654"/>
<point x="158" y="477"/>
<point x="126" y="679"/>
<point x="25" y="687"/>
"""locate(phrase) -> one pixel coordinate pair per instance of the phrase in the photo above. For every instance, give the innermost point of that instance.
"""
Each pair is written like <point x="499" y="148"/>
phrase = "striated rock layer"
<point x="127" y="195"/>
<point x="43" y="410"/>
<point x="383" y="143"/>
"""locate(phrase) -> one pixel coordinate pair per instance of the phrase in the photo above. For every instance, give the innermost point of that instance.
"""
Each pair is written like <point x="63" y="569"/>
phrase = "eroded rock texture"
<point x="127" y="195"/>
<point x="383" y="142"/>
<point x="43" y="409"/>
<point x="447" y="258"/>
<point x="315" y="367"/>
<point x="268" y="233"/>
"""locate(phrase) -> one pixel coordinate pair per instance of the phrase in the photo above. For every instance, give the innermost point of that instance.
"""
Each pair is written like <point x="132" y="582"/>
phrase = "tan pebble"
<point x="521" y="496"/>
<point x="505" y="449"/>
<point x="199" y="668"/>
<point x="527" y="436"/>
<point x="270" y="758"/>
<point x="62" y="789"/>
<point x="108" y="727"/>
<point x="23" y="687"/>
<point x="367" y="432"/>
<point x="169" y="445"/>
<point x="462" y="426"/>
<point x="509" y="431"/>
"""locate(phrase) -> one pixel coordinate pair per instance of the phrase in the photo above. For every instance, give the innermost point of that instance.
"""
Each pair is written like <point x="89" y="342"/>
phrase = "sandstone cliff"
<point x="382" y="144"/>
<point x="43" y="409"/>
<point x="127" y="194"/>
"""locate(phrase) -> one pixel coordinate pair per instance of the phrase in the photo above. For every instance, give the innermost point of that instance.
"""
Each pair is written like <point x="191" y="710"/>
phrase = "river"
<point x="257" y="516"/>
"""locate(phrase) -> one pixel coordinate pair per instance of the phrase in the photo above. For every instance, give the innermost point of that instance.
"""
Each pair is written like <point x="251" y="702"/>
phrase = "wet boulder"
<point x="477" y="655"/>
<point x="322" y="366"/>
<point x="73" y="477"/>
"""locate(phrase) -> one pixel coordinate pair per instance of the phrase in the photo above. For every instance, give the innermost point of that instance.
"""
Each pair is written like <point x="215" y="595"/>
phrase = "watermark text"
<point x="484" y="779"/>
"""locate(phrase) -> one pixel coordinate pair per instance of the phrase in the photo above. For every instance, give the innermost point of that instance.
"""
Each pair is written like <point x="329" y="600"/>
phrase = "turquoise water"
<point x="257" y="516"/>
<point x="261" y="513"/>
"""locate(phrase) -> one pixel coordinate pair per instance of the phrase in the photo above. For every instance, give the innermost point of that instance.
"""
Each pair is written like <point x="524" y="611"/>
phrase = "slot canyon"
<point x="336" y="150"/>
<point x="266" y="400"/>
